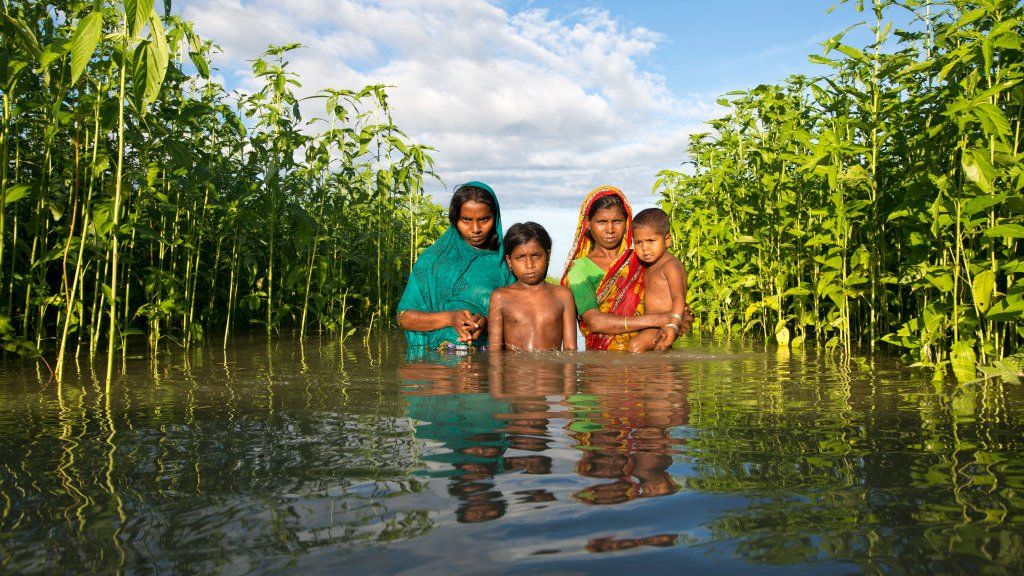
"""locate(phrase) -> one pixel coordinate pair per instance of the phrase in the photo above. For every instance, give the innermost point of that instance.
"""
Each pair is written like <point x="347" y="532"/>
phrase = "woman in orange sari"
<point x="605" y="276"/>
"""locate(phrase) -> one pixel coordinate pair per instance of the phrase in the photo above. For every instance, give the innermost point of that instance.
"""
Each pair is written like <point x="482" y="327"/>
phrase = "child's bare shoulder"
<point x="668" y="264"/>
<point x="500" y="293"/>
<point x="560" y="291"/>
<point x="564" y="296"/>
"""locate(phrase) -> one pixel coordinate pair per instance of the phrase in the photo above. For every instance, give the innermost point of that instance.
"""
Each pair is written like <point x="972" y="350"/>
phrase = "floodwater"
<point x="291" y="458"/>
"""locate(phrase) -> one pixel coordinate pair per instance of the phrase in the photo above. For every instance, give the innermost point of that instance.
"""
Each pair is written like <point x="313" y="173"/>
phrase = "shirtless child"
<point x="665" y="283"/>
<point x="531" y="314"/>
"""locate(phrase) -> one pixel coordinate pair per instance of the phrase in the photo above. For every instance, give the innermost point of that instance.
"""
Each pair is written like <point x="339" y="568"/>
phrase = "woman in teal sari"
<point x="445" y="303"/>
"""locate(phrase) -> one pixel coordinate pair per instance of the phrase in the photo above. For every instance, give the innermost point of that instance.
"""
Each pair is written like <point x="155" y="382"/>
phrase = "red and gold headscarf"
<point x="621" y="290"/>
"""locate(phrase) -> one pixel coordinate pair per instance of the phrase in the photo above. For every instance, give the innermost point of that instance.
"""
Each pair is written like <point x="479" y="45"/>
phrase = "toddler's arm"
<point x="645" y="340"/>
<point x="676" y="277"/>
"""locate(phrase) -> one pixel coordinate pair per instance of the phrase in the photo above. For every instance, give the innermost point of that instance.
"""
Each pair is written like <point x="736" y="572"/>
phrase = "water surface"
<point x="312" y="458"/>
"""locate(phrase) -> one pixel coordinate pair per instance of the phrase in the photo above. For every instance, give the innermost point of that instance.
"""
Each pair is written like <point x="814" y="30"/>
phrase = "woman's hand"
<point x="481" y="326"/>
<point x="466" y="324"/>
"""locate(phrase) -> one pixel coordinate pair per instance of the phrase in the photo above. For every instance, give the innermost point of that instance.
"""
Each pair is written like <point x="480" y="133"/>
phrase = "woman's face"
<point x="607" y="227"/>
<point x="475" y="223"/>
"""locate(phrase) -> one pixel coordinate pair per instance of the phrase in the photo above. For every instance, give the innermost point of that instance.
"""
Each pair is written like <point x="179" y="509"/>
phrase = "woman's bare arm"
<point x="419" y="321"/>
<point x="612" y="324"/>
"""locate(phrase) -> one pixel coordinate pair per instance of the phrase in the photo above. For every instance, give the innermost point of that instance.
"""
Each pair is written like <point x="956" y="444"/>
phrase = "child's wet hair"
<point x="654" y="218"/>
<point x="465" y="193"/>
<point x="524" y="232"/>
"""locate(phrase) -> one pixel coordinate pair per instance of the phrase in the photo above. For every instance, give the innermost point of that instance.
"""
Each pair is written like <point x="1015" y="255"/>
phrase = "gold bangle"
<point x="625" y="326"/>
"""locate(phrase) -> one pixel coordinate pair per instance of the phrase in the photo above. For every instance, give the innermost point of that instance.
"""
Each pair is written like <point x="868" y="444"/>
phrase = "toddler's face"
<point x="529" y="262"/>
<point x="648" y="244"/>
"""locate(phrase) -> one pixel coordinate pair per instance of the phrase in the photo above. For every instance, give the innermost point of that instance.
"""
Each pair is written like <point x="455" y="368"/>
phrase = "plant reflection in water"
<point x="279" y="458"/>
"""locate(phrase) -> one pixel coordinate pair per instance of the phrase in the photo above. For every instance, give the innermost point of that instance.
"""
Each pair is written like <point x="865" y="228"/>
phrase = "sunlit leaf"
<point x="137" y="12"/>
<point x="16" y="192"/>
<point x="156" y="58"/>
<point x="1005" y="231"/>
<point x="83" y="43"/>
<point x="963" y="360"/>
<point x="982" y="287"/>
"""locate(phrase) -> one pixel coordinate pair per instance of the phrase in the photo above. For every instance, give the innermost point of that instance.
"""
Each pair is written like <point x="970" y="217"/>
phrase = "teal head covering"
<point x="452" y="275"/>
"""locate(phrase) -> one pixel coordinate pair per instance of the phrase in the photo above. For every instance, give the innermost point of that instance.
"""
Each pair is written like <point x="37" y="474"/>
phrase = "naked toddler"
<point x="665" y="282"/>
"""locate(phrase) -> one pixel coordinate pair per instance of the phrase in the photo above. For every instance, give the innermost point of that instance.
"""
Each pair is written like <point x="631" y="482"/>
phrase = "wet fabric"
<point x="620" y="290"/>
<point x="452" y="275"/>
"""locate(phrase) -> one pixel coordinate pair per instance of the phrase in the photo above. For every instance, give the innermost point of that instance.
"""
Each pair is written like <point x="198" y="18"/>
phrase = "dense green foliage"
<point x="141" y="198"/>
<point x="880" y="202"/>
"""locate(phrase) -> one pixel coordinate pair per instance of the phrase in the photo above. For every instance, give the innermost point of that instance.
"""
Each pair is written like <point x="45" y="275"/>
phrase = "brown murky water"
<point x="312" y="459"/>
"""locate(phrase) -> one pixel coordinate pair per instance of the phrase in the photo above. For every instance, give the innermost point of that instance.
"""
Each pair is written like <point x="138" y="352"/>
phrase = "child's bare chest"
<point x="657" y="294"/>
<point x="537" y="309"/>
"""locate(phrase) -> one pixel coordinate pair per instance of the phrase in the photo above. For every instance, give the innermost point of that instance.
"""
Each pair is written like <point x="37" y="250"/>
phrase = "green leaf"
<point x="83" y="43"/>
<point x="53" y="51"/>
<point x="137" y="13"/>
<point x="1007" y="308"/>
<point x="1015" y="266"/>
<point x="156" y="58"/>
<point x="984" y="283"/>
<point x="942" y="280"/>
<point x="199" y="61"/>
<point x="992" y="119"/>
<point x="797" y="291"/>
<point x="964" y="360"/>
<point x="852" y="52"/>
<point x="815" y="59"/>
<point x="978" y="169"/>
<point x="1005" y="231"/>
<point x="16" y="192"/>
<point x="782" y="334"/>
<point x="23" y="33"/>
<point x="982" y="203"/>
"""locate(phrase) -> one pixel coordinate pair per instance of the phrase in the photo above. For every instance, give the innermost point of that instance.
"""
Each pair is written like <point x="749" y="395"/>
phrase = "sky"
<point x="543" y="100"/>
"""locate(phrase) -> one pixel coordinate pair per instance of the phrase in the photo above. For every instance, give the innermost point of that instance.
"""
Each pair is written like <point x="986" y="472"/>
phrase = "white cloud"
<point x="542" y="108"/>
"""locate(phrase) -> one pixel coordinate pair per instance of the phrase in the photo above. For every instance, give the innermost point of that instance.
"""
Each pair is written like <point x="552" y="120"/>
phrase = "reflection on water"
<point x="290" y="458"/>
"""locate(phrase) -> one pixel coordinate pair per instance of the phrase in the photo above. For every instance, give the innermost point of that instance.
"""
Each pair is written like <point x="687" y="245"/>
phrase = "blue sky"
<point x="542" y="99"/>
<point x="720" y="46"/>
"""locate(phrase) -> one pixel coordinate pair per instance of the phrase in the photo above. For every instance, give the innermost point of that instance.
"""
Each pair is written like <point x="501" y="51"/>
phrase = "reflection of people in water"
<point x="623" y="417"/>
<point x="528" y="387"/>
<point x="447" y="394"/>
<point x="609" y="544"/>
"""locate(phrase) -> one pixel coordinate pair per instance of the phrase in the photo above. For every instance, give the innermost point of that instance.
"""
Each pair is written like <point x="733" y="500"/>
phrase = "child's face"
<point x="529" y="262"/>
<point x="648" y="244"/>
